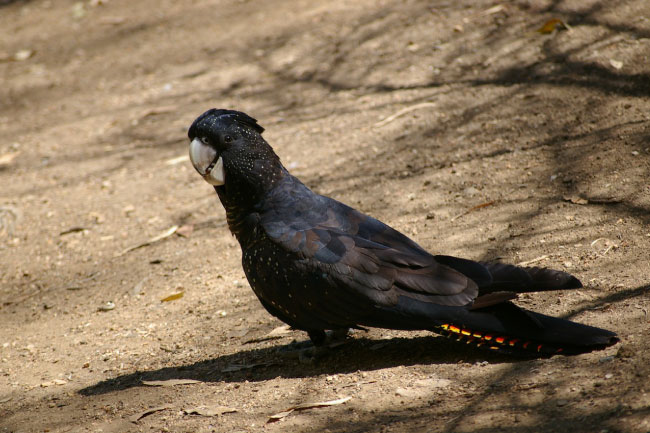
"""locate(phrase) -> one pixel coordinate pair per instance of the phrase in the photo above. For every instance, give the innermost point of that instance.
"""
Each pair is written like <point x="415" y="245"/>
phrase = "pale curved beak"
<point x="207" y="162"/>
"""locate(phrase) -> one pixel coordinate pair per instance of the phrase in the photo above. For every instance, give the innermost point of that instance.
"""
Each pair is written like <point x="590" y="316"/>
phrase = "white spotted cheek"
<point x="216" y="176"/>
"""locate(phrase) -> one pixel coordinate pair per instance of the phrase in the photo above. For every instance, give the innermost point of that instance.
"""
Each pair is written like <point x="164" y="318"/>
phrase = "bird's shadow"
<point x="357" y="354"/>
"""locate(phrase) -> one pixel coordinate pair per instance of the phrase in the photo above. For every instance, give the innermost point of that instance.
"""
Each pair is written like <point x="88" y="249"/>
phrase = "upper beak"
<point x="207" y="162"/>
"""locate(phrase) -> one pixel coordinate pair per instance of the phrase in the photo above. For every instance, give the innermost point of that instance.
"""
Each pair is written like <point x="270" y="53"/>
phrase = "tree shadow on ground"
<point x="420" y="419"/>
<point x="359" y="354"/>
<point x="560" y="64"/>
<point x="8" y="2"/>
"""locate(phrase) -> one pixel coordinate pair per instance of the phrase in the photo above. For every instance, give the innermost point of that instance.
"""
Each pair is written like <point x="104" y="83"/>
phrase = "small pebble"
<point x="107" y="306"/>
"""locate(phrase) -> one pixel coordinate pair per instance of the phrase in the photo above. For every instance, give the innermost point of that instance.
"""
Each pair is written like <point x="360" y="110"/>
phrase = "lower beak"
<point x="207" y="162"/>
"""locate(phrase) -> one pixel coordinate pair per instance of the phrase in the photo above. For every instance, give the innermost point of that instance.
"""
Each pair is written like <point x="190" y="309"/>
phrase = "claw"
<point x="321" y="342"/>
<point x="332" y="338"/>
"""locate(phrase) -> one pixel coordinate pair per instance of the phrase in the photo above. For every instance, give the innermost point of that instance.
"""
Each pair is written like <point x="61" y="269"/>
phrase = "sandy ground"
<point x="455" y="122"/>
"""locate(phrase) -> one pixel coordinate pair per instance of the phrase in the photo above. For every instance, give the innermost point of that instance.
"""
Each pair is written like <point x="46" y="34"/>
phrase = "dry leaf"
<point x="163" y="235"/>
<point x="8" y="158"/>
<point x="167" y="233"/>
<point x="177" y="160"/>
<point x="432" y="383"/>
<point x="238" y="367"/>
<point x="278" y="416"/>
<point x="473" y="208"/>
<point x="411" y="392"/>
<point x="72" y="230"/>
<point x="173" y="297"/>
<point x="535" y="260"/>
<point x="23" y="55"/>
<point x="170" y="382"/>
<point x="209" y="410"/>
<point x="575" y="199"/>
<point x="9" y="216"/>
<point x="238" y="332"/>
<point x="551" y="25"/>
<point x="53" y="382"/>
<point x="185" y="230"/>
<point x="616" y="64"/>
<point x="158" y="110"/>
<point x="107" y="306"/>
<point x="138" y="416"/>
<point x="404" y="111"/>
<point x="303" y="406"/>
<point x="280" y="331"/>
<point x="493" y="10"/>
<point x="137" y="290"/>
<point x="607" y="243"/>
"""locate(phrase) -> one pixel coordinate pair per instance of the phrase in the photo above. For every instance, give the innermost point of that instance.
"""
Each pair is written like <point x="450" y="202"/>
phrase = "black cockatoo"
<point x="317" y="264"/>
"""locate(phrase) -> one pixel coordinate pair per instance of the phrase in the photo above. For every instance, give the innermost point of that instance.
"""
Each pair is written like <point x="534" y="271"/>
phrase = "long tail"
<point x="492" y="321"/>
<point x="510" y="329"/>
<point x="527" y="279"/>
<point x="503" y="327"/>
<point x="501" y="277"/>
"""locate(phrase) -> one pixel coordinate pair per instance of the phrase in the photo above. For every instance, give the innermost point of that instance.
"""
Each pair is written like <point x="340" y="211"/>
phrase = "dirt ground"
<point x="456" y="122"/>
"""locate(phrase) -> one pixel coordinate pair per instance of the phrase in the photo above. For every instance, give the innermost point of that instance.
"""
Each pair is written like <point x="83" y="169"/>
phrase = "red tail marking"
<point x="480" y="339"/>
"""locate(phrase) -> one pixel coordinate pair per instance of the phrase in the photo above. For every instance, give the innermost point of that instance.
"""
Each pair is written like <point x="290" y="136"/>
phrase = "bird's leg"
<point x="318" y="337"/>
<point x="337" y="337"/>
<point x="322" y="340"/>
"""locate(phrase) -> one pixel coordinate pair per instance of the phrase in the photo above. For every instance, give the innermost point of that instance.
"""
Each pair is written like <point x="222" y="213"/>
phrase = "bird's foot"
<point x="319" y="345"/>
<point x="310" y="355"/>
<point x="323" y="341"/>
<point x="332" y="338"/>
<point x="305" y="351"/>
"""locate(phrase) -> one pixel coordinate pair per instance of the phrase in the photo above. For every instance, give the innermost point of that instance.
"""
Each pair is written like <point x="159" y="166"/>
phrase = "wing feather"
<point x="362" y="253"/>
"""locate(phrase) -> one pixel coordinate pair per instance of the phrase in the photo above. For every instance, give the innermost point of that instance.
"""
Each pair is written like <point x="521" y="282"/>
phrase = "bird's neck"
<point x="242" y="195"/>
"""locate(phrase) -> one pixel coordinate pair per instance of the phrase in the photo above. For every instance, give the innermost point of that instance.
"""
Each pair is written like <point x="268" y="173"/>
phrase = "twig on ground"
<point x="535" y="260"/>
<point x="153" y="240"/>
<point x="472" y="209"/>
<point x="404" y="111"/>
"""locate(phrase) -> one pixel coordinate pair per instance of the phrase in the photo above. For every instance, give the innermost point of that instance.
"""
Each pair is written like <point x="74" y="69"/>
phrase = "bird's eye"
<point x="227" y="139"/>
<point x="204" y="140"/>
